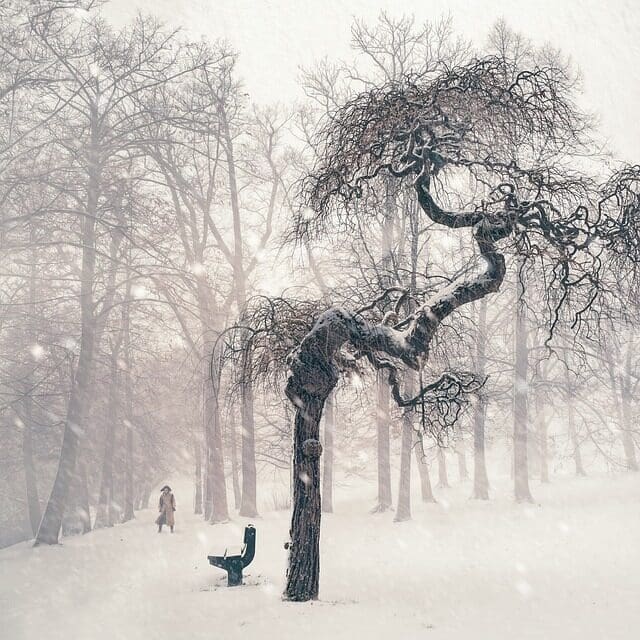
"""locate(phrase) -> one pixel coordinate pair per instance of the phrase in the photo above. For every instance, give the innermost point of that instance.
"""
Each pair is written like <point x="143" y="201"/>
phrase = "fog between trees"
<point x="166" y="245"/>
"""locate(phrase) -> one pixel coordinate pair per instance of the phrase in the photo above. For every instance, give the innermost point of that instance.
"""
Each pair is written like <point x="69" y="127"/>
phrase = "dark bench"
<point x="234" y="565"/>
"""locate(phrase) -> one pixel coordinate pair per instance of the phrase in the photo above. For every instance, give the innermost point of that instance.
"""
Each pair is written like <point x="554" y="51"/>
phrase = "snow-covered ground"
<point x="568" y="567"/>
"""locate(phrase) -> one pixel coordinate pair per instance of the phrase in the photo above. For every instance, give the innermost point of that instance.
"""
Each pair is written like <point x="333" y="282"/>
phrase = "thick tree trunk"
<point x="383" y="421"/>
<point x="49" y="529"/>
<point x="520" y="408"/>
<point x="303" y="575"/>
<point x="77" y="519"/>
<point x="327" y="468"/>
<point x="235" y="473"/>
<point x="248" y="507"/>
<point x="51" y="523"/>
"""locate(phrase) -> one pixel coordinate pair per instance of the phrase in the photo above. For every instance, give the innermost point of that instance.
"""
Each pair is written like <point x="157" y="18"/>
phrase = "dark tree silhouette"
<point x="512" y="133"/>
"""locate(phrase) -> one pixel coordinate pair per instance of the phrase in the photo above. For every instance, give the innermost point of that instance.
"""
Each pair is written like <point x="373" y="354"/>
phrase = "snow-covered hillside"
<point x="566" y="568"/>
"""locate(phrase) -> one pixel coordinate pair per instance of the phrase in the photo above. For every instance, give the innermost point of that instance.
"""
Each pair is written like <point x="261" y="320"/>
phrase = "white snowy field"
<point x="566" y="567"/>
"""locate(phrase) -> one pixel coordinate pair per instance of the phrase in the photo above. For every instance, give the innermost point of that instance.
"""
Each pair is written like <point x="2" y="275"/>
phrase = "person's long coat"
<point x="167" y="506"/>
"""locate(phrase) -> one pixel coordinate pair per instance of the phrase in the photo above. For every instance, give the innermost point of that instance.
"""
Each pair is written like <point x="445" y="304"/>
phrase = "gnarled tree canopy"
<point x="507" y="143"/>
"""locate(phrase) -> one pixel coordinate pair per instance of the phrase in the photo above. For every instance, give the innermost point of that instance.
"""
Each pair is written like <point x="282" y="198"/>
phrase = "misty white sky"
<point x="275" y="37"/>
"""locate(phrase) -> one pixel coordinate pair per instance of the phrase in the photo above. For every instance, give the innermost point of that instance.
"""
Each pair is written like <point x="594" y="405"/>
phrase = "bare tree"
<point x="461" y="120"/>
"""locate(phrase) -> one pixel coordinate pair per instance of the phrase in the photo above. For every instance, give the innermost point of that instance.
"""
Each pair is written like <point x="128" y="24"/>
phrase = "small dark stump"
<point x="234" y="565"/>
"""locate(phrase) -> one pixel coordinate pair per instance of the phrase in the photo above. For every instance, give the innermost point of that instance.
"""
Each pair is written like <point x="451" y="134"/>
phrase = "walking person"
<point x="166" y="507"/>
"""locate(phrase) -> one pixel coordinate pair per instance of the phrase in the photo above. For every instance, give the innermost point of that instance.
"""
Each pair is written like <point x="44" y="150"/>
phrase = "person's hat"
<point x="166" y="486"/>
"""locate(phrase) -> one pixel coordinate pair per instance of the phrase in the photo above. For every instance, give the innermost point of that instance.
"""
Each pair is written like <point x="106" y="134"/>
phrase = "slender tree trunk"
<point x="248" y="507"/>
<point x="463" y="472"/>
<point x="128" y="513"/>
<point x="383" y="420"/>
<point x="197" y="454"/>
<point x="208" y="472"/>
<point x="543" y="439"/>
<point x="573" y="434"/>
<point x="627" y="437"/>
<point x="30" y="477"/>
<point x="403" y="512"/>
<point x="235" y="475"/>
<point x="104" y="514"/>
<point x="327" y="469"/>
<point x="443" y="476"/>
<point x="426" y="490"/>
<point x="520" y="409"/>
<point x="146" y="496"/>
<point x="480" y="479"/>
<point x="215" y="466"/>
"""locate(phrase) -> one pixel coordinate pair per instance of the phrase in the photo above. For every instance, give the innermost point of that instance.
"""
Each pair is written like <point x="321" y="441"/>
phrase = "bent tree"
<point x="501" y="139"/>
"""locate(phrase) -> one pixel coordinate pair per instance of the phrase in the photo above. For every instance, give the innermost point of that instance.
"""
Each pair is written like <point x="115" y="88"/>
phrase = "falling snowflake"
<point x="138" y="291"/>
<point x="37" y="351"/>
<point x="524" y="588"/>
<point x="197" y="268"/>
